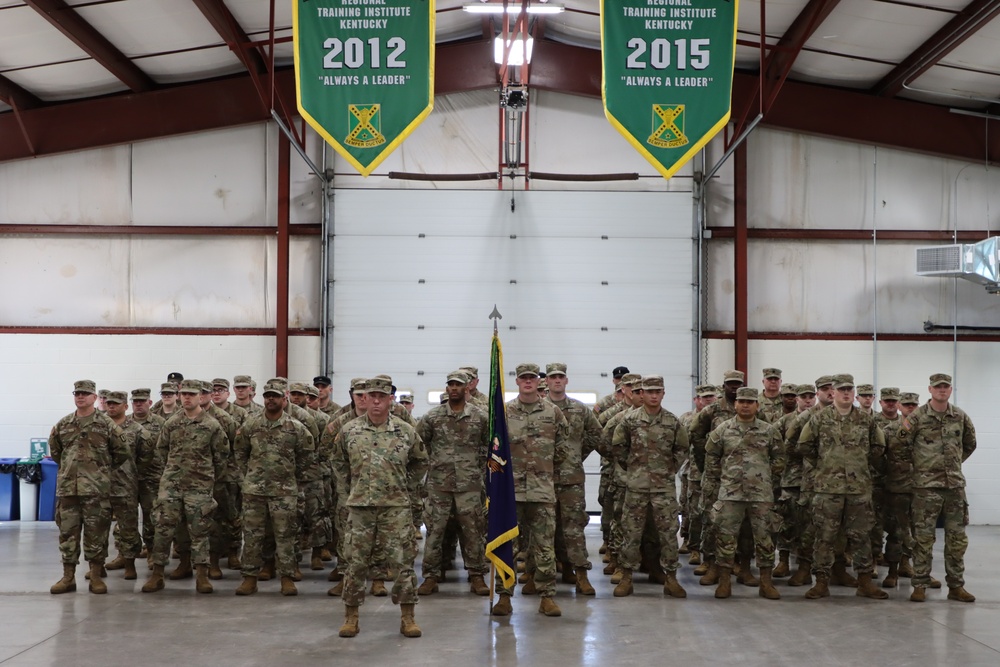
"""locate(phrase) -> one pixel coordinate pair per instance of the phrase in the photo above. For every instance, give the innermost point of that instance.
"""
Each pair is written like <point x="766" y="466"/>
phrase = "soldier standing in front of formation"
<point x="193" y="448"/>
<point x="651" y="444"/>
<point x="272" y="451"/>
<point x="743" y="465"/>
<point x="378" y="462"/>
<point x="843" y="445"/>
<point x="936" y="439"/>
<point x="84" y="444"/>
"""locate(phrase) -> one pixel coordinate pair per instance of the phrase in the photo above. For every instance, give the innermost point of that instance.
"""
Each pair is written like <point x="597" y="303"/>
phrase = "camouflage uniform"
<point x="651" y="449"/>
<point x="743" y="465"/>
<point x="842" y="451"/>
<point x="771" y="409"/>
<point x="85" y="449"/>
<point x="457" y="446"/>
<point x="378" y="469"/>
<point x="273" y="456"/>
<point x="193" y="452"/>
<point x="798" y="528"/>
<point x="124" y="496"/>
<point x="227" y="532"/>
<point x="148" y="475"/>
<point x="325" y="449"/>
<point x="537" y="433"/>
<point x="936" y="444"/>
<point x="702" y="424"/>
<point x="605" y="402"/>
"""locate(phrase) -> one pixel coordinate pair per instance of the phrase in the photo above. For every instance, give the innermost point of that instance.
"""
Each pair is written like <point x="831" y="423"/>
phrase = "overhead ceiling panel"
<point x="140" y="27"/>
<point x="66" y="81"/>
<point x="283" y="51"/>
<point x="27" y="39"/>
<point x="191" y="65"/>
<point x="778" y="16"/>
<point x="957" y="87"/>
<point x="980" y="51"/>
<point x="255" y="16"/>
<point x="837" y="70"/>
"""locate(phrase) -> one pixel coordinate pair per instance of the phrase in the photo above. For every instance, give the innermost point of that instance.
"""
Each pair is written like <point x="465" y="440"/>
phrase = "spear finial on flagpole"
<point x="495" y="316"/>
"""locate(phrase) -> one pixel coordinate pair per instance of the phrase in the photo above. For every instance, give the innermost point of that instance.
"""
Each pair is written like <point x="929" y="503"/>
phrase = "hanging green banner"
<point x="364" y="72"/>
<point x="667" y="74"/>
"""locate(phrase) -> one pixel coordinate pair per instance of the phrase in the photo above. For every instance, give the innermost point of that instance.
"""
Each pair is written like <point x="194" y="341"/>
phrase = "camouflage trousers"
<point x="663" y="509"/>
<point x="392" y="528"/>
<point x="226" y="521"/>
<point x="571" y="521"/>
<point x="195" y="512"/>
<point x="852" y="514"/>
<point x="537" y="525"/>
<point x="728" y="517"/>
<point x="86" y="516"/>
<point x="467" y="507"/>
<point x="147" y="498"/>
<point x="692" y="513"/>
<point x="794" y="515"/>
<point x="685" y="507"/>
<point x="125" y="511"/>
<point x="899" y="532"/>
<point x="928" y="505"/>
<point x="602" y="500"/>
<point x="615" y="499"/>
<point x="269" y="520"/>
<point x="317" y="524"/>
<point x="878" y="522"/>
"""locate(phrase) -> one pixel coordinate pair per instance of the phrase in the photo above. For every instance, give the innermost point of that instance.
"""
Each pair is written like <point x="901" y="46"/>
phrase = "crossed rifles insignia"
<point x="365" y="121"/>
<point x="669" y="133"/>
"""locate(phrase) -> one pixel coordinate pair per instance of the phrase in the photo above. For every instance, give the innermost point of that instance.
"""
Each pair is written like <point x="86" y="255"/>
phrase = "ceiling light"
<point x="517" y="49"/>
<point x="512" y="8"/>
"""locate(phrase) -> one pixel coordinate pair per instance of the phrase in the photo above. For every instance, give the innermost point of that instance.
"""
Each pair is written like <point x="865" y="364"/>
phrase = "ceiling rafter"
<point x="65" y="19"/>
<point x="960" y="28"/>
<point x="232" y="34"/>
<point x="16" y="96"/>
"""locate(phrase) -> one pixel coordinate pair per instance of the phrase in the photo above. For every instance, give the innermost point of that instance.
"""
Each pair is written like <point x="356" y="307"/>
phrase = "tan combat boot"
<point x="781" y="570"/>
<point x="529" y="587"/>
<point x="725" y="587"/>
<point x="117" y="563"/>
<point x="672" y="587"/>
<point x="868" y="589"/>
<point x="549" y="607"/>
<point x="183" y="569"/>
<point x="130" y="573"/>
<point x="350" y="627"/>
<point x="583" y="586"/>
<point x="905" y="569"/>
<point x="378" y="588"/>
<point x="201" y="582"/>
<point x="767" y="589"/>
<point x="335" y="574"/>
<point x="214" y="571"/>
<point x="233" y="561"/>
<point x="155" y="581"/>
<point x="745" y="575"/>
<point x="694" y="558"/>
<point x="685" y="547"/>
<point x="104" y="573"/>
<point x="603" y="548"/>
<point x="568" y="574"/>
<point x="326" y="553"/>
<point x="935" y="583"/>
<point x="248" y="586"/>
<point x="611" y="566"/>
<point x="97" y="584"/>
<point x="296" y="573"/>
<point x="919" y="594"/>
<point x="839" y="576"/>
<point x="624" y="587"/>
<point x="316" y="561"/>
<point x="803" y="575"/>
<point x="703" y="569"/>
<point x="821" y="589"/>
<point x="959" y="594"/>
<point x="288" y="587"/>
<point x="478" y="586"/>
<point x="503" y="606"/>
<point x="712" y="574"/>
<point x="337" y="590"/>
<point x="892" y="578"/>
<point x="266" y="570"/>
<point x="617" y="576"/>
<point x="407" y="624"/>
<point x="429" y="587"/>
<point x="68" y="582"/>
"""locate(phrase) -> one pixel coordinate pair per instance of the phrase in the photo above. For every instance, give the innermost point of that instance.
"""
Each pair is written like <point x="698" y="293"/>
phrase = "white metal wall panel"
<point x="304" y="278"/>
<point x="222" y="175"/>
<point x="86" y="187"/>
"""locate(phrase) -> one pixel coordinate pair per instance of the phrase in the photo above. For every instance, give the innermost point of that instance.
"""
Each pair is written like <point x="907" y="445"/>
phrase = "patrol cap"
<point x="322" y="380"/>
<point x="889" y="393"/>
<point x="298" y="388"/>
<point x="909" y="398"/>
<point x="733" y="376"/>
<point x="619" y="372"/>
<point x="191" y="387"/>
<point x="103" y="393"/>
<point x="866" y="390"/>
<point x="88" y="386"/>
<point x="824" y="380"/>
<point x="380" y="385"/>
<point x="359" y="384"/>
<point x="747" y="394"/>
<point x="383" y="376"/>
<point x="206" y="387"/>
<point x="843" y="381"/>
<point x="706" y="390"/>
<point x="175" y="377"/>
<point x="772" y="373"/>
<point x="253" y="385"/>
<point x="652" y="382"/>
<point x="787" y="388"/>
<point x="471" y="371"/>
<point x="274" y="387"/>
<point x="542" y="385"/>
<point x="242" y="381"/>
<point x="632" y="380"/>
<point x="406" y="398"/>
<point x="458" y="376"/>
<point x="220" y="382"/>
<point x="940" y="378"/>
<point x="168" y="388"/>
<point x="805" y="389"/>
<point x="117" y="397"/>
<point x="527" y="369"/>
<point x="312" y="390"/>
<point x="555" y="369"/>
<point x="140" y="394"/>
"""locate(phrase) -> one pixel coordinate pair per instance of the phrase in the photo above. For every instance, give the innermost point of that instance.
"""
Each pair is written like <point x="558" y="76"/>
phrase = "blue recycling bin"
<point x="47" y="491"/>
<point x="10" y="495"/>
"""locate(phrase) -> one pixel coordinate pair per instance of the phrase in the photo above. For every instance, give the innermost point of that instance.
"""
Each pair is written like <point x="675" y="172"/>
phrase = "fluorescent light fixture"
<point x="516" y="58"/>
<point x="513" y="7"/>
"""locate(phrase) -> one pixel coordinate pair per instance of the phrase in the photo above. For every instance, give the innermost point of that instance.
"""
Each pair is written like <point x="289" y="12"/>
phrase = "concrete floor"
<point x="178" y="627"/>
